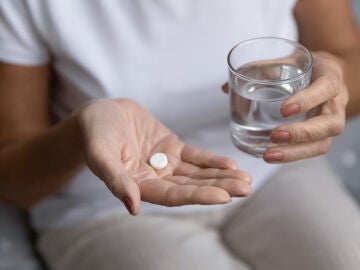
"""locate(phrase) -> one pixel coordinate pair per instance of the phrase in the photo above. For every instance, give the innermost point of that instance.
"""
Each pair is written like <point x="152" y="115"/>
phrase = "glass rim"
<point x="271" y="82"/>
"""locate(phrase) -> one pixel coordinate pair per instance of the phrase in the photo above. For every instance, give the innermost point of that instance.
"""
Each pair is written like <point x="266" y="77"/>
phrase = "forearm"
<point x="351" y="67"/>
<point x="329" y="25"/>
<point x="350" y="64"/>
<point x="34" y="167"/>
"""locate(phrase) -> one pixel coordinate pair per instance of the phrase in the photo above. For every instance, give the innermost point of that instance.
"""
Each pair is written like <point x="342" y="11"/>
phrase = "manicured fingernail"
<point x="225" y="87"/>
<point x="128" y="203"/>
<point x="290" y="109"/>
<point x="273" y="156"/>
<point x="280" y="136"/>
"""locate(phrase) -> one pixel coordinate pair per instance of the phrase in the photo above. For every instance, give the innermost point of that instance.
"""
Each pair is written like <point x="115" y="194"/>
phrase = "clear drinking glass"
<point x="263" y="73"/>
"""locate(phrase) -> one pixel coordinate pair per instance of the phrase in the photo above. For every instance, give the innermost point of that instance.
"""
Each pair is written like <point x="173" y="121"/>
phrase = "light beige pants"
<point x="301" y="219"/>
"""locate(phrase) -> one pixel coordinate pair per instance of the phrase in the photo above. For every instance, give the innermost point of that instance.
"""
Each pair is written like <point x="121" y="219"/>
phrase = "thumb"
<point x="112" y="171"/>
<point x="126" y="189"/>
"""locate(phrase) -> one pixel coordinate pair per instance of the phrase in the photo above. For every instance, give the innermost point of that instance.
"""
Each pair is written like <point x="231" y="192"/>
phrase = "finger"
<point x="321" y="90"/>
<point x="235" y="187"/>
<point x="313" y="129"/>
<point x="109" y="168"/>
<point x="162" y="192"/>
<point x="206" y="159"/>
<point x="225" y="88"/>
<point x="287" y="153"/>
<point x="192" y="171"/>
<point x="125" y="188"/>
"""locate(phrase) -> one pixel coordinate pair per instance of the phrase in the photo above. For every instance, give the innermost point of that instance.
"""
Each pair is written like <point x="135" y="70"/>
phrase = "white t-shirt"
<point x="168" y="55"/>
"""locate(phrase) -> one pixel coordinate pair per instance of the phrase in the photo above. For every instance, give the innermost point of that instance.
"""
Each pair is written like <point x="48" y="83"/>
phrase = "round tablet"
<point x="158" y="161"/>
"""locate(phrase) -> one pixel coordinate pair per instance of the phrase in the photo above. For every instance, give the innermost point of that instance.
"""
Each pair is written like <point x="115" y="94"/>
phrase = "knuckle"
<point x="345" y="95"/>
<point x="337" y="128"/>
<point x="335" y="63"/>
<point x="324" y="146"/>
<point x="304" y="134"/>
<point x="333" y="85"/>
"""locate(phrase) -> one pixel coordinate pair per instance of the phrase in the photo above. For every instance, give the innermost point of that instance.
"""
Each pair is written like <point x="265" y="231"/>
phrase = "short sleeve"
<point x="20" y="43"/>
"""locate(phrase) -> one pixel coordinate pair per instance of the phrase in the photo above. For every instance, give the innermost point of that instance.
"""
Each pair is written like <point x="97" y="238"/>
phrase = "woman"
<point x="147" y="65"/>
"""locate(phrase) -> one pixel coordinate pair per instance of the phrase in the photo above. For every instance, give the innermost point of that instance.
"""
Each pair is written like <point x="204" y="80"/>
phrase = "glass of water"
<point x="263" y="73"/>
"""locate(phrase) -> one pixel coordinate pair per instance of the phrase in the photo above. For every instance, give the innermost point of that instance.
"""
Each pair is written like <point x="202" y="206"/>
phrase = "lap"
<point x="302" y="218"/>
<point x="143" y="242"/>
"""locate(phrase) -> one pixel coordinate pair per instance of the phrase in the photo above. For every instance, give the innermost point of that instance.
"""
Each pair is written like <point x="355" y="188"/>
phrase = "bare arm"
<point x="35" y="159"/>
<point x="115" y="138"/>
<point x="329" y="25"/>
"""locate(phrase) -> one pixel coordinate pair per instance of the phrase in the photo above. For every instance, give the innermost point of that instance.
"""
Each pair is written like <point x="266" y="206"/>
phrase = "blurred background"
<point x="345" y="153"/>
<point x="16" y="241"/>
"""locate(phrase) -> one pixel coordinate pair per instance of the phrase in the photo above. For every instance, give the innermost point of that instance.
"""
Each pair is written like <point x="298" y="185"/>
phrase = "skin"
<point x="37" y="158"/>
<point x="121" y="156"/>
<point x="328" y="28"/>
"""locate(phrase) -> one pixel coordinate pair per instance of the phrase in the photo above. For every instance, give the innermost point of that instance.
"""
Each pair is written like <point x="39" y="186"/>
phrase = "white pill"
<point x="158" y="161"/>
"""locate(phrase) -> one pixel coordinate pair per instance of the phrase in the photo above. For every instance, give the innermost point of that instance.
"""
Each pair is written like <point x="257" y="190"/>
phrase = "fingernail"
<point x="273" y="156"/>
<point x="280" y="136"/>
<point x="290" y="109"/>
<point x="225" y="87"/>
<point x="128" y="203"/>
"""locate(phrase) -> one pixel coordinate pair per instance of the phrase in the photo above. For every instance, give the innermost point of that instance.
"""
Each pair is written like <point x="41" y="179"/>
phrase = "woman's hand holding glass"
<point x="324" y="101"/>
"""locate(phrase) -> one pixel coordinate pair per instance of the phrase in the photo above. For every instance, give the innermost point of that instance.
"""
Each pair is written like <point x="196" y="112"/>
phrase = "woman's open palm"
<point x="120" y="137"/>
